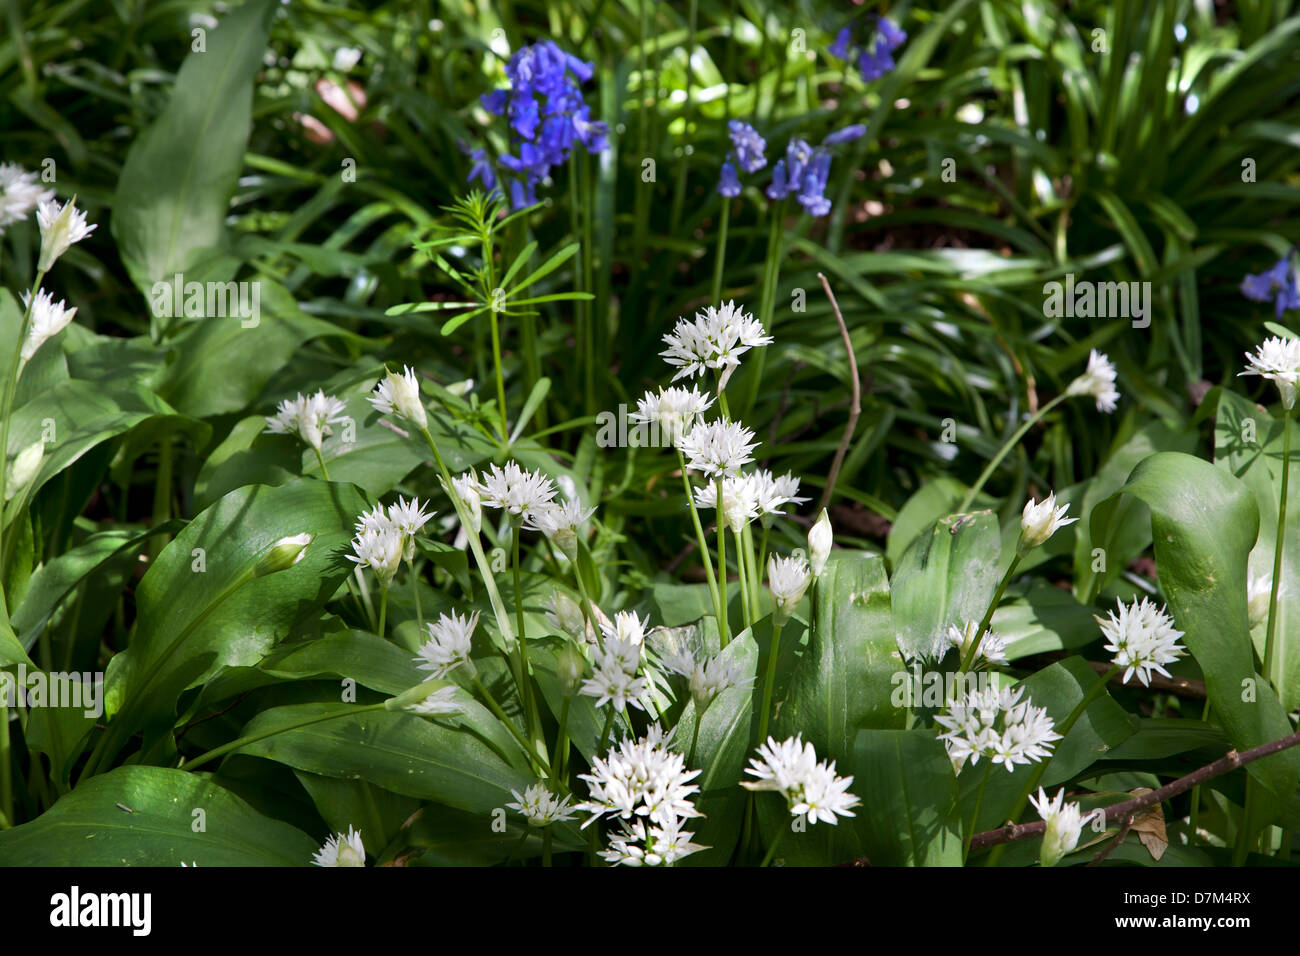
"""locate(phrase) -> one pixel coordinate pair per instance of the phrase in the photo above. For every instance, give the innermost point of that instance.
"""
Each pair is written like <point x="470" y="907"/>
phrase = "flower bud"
<point x="819" y="544"/>
<point x="23" y="468"/>
<point x="285" y="553"/>
<point x="565" y="615"/>
<point x="570" y="666"/>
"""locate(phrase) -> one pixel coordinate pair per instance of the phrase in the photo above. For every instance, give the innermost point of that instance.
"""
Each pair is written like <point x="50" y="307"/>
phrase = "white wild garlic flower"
<point x="718" y="447"/>
<point x="516" y="490"/>
<point x="540" y="806"/>
<point x="1097" y="382"/>
<point x="739" y="500"/>
<point x="672" y="410"/>
<point x="48" y="319"/>
<point x="641" y="779"/>
<point x="1278" y="360"/>
<point x="708" y="676"/>
<point x="788" y="579"/>
<point x="1039" y="521"/>
<point x="1143" y="639"/>
<point x="819" y="544"/>
<point x="448" y="645"/>
<point x="399" y="395"/>
<point x="995" y="723"/>
<point x="342" y="850"/>
<point x="715" y="339"/>
<point x="1064" y="824"/>
<point x="310" y="417"/>
<point x="61" y="227"/>
<point x="810" y="787"/>
<point x="20" y="193"/>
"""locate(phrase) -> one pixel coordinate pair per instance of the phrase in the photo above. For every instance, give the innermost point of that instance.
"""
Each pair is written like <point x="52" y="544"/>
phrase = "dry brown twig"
<point x="855" y="407"/>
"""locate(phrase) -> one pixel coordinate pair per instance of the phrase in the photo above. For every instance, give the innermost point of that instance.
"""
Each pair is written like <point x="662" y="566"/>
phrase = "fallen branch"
<point x="855" y="407"/>
<point x="1230" y="761"/>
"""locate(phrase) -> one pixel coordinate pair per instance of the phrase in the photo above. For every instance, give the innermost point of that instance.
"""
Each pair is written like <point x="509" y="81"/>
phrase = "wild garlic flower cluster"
<point x="672" y="410"/>
<point x="1278" y="360"/>
<point x="1143" y="639"/>
<point x="20" y="193"/>
<point x="385" y="538"/>
<point x="448" y="645"/>
<point x="708" y="675"/>
<point x="647" y="786"/>
<point x="1064" y="825"/>
<point x="995" y="723"/>
<point x="788" y="579"/>
<point x="310" y="417"/>
<point x="617" y="664"/>
<point x="541" y="807"/>
<point x="61" y="226"/>
<point x="517" y="491"/>
<point x="718" y="448"/>
<point x="715" y="339"/>
<point x="747" y="496"/>
<point x="811" y="788"/>
<point x="1098" y="382"/>
<point x="992" y="648"/>
<point x="1040" y="520"/>
<point x="399" y="396"/>
<point x="48" y="319"/>
<point x="342" y="849"/>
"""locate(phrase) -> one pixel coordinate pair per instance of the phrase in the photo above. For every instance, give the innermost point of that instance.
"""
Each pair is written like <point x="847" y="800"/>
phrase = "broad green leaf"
<point x="1204" y="523"/>
<point x="145" y="816"/>
<point x="200" y="608"/>
<point x="947" y="576"/>
<point x="908" y="814"/>
<point x="400" y="752"/>
<point x="173" y="195"/>
<point x="1248" y="443"/>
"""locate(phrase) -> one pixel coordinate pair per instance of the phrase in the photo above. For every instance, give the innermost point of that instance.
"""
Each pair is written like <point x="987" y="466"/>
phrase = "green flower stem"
<point x="969" y="659"/>
<point x="695" y="737"/>
<point x="1002" y="452"/>
<point x="1270" y="642"/>
<point x="320" y="460"/>
<point x="501" y="385"/>
<point x="11" y="388"/>
<point x="540" y="765"/>
<point x="767" y="301"/>
<point x="705" y="557"/>
<point x="561" y="759"/>
<point x="6" y="772"/>
<point x="723" y="625"/>
<point x="769" y="681"/>
<point x="974" y="820"/>
<point x="1036" y="777"/>
<point x="742" y="574"/>
<point x="755" y="575"/>
<point x="526" y="685"/>
<point x="720" y="260"/>
<point x="771" y="850"/>
<point x="415" y="594"/>
<point x="383" y="608"/>
<point x="604" y="731"/>
<point x="254" y="738"/>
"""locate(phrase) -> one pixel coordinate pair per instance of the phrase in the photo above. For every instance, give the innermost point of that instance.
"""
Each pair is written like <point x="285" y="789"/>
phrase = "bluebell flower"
<point x="840" y="48"/>
<point x="1278" y="284"/>
<point x="875" y="56"/>
<point x="846" y="135"/>
<point x="749" y="146"/>
<point x="547" y="116"/>
<point x="729" y="183"/>
<point x="805" y="171"/>
<point x="481" y="168"/>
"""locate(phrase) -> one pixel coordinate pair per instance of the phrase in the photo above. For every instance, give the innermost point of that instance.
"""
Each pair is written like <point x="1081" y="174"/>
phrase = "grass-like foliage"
<point x="609" y="432"/>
